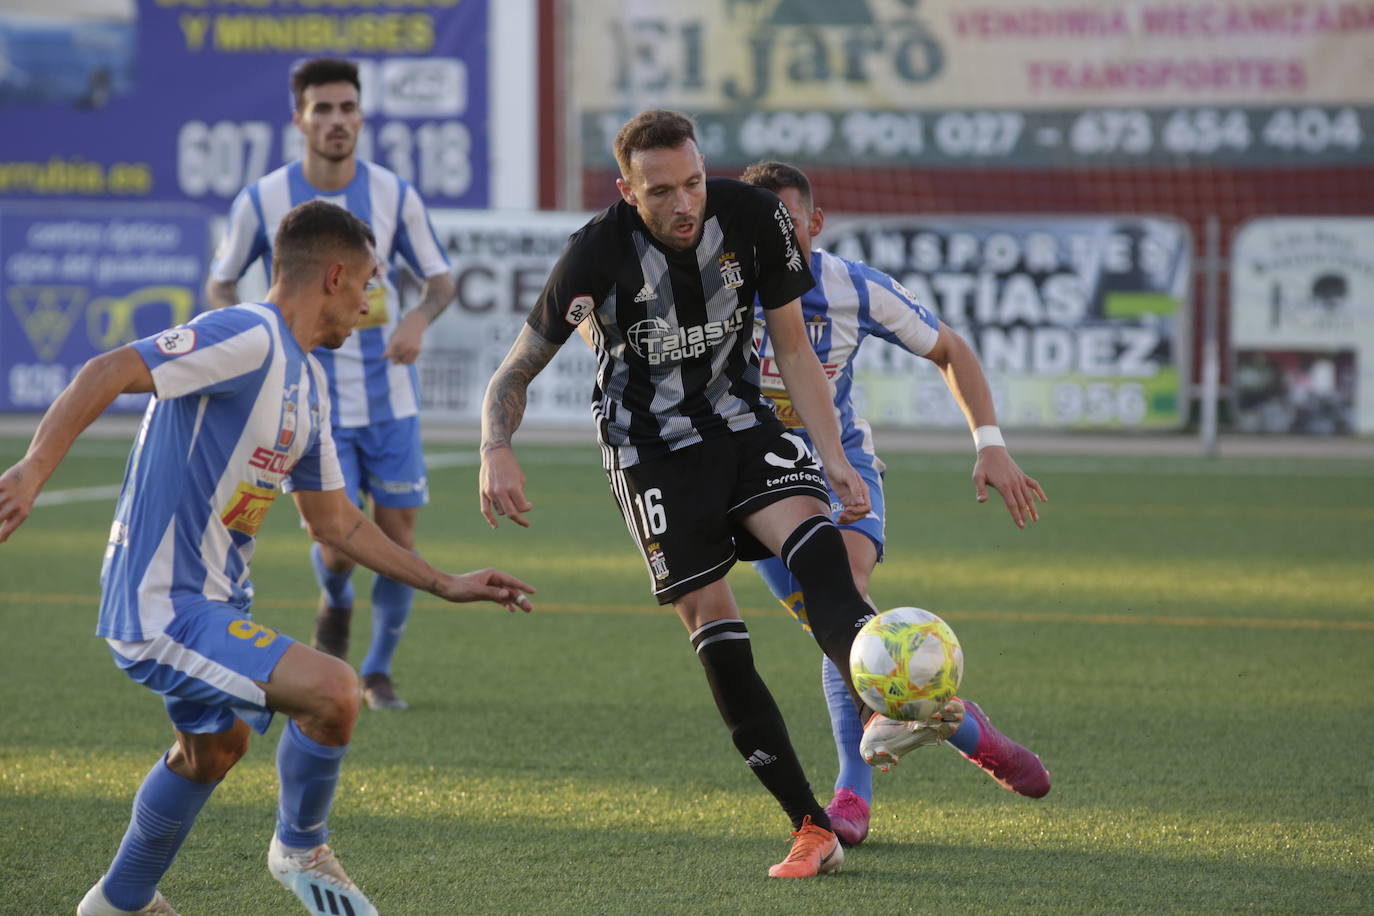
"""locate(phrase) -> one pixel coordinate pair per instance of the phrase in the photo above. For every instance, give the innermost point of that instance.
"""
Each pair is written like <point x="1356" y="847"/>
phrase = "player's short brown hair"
<point x="657" y="128"/>
<point x="775" y="176"/>
<point x="315" y="232"/>
<point x="320" y="70"/>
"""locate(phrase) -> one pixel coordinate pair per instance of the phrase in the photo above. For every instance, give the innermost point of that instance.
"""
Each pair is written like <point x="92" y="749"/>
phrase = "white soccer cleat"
<point x="886" y="740"/>
<point x="318" y="880"/>
<point x="95" y="903"/>
<point x="380" y="693"/>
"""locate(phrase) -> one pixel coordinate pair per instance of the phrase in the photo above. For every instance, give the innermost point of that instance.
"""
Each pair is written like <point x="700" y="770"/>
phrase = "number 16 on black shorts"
<point x="683" y="510"/>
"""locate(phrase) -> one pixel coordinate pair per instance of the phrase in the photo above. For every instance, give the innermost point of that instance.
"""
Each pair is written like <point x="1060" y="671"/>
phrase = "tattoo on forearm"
<point x="504" y="409"/>
<point x="504" y="405"/>
<point x="353" y="530"/>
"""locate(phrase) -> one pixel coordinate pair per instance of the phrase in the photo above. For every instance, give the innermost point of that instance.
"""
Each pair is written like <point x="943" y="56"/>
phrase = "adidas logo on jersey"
<point x="646" y="294"/>
<point x="760" y="758"/>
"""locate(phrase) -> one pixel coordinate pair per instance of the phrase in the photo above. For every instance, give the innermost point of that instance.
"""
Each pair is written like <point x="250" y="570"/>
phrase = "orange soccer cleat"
<point x="814" y="850"/>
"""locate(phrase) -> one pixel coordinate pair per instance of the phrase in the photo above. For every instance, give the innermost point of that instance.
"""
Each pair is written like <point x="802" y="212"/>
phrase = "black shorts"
<point x="685" y="510"/>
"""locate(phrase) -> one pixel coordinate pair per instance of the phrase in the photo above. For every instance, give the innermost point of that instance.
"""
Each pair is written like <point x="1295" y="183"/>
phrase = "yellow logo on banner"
<point x="376" y="309"/>
<point x="110" y="319"/>
<point x="247" y="508"/>
<point x="47" y="313"/>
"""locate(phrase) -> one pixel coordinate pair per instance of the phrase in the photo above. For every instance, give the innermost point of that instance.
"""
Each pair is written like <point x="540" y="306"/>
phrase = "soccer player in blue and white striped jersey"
<point x="850" y="303"/>
<point x="241" y="412"/>
<point x="372" y="378"/>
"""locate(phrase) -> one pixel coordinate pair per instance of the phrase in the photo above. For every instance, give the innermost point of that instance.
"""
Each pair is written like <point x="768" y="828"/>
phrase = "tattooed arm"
<point x="333" y="519"/>
<point x="502" y="483"/>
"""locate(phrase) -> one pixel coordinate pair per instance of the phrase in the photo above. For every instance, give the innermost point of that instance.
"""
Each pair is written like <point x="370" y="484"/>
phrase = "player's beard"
<point x="666" y="231"/>
<point x="337" y="337"/>
<point x="326" y="153"/>
<point x="339" y="330"/>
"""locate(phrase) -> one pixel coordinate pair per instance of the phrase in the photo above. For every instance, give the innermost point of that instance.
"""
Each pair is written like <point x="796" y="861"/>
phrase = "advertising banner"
<point x="1302" y="325"/>
<point x="78" y="280"/>
<point x="501" y="260"/>
<point x="1079" y="322"/>
<point x="987" y="82"/>
<point x="189" y="100"/>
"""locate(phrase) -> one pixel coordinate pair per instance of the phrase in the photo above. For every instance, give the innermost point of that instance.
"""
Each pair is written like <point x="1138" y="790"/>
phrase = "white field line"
<point x="94" y="494"/>
<point x="1053" y="464"/>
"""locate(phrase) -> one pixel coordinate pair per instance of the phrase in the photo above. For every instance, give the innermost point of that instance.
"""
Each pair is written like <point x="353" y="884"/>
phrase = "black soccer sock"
<point x="815" y="553"/>
<point x="753" y="718"/>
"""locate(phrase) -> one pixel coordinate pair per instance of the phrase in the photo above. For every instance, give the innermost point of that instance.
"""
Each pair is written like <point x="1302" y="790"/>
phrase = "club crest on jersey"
<point x="176" y="341"/>
<point x="578" y="310"/>
<point x="815" y="329"/>
<point x="286" y="427"/>
<point x="731" y="271"/>
<point x="657" y="561"/>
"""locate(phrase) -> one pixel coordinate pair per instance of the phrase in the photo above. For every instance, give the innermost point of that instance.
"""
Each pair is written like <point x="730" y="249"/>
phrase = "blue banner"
<point x="80" y="279"/>
<point x="190" y="99"/>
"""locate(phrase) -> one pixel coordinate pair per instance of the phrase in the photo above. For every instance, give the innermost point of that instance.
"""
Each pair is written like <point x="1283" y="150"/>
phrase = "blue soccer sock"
<point x="337" y="588"/>
<point x="855" y="774"/>
<point x="391" y="602"/>
<point x="965" y="739"/>
<point x="165" y="808"/>
<point x="309" y="773"/>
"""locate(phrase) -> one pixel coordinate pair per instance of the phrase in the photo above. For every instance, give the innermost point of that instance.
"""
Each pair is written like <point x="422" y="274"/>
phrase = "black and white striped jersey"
<point x="673" y="330"/>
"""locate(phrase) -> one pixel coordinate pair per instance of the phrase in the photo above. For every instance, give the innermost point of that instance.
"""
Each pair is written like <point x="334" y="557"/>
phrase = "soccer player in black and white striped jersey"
<point x="701" y="468"/>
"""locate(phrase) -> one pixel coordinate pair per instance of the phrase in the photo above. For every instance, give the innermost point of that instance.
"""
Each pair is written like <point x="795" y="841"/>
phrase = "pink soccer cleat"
<point x="1013" y="766"/>
<point x="848" y="815"/>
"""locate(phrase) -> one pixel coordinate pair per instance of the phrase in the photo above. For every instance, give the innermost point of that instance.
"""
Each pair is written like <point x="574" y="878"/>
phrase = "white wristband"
<point x="984" y="436"/>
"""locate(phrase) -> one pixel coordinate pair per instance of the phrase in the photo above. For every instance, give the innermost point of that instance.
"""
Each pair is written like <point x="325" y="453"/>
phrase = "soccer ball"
<point x="906" y="663"/>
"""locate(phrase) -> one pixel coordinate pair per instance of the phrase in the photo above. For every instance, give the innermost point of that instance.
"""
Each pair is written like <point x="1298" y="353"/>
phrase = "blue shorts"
<point x="207" y="666"/>
<point x="780" y="580"/>
<point x="384" y="460"/>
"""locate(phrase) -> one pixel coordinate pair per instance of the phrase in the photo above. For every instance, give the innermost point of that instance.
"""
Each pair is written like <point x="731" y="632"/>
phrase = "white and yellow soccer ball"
<point x="906" y="663"/>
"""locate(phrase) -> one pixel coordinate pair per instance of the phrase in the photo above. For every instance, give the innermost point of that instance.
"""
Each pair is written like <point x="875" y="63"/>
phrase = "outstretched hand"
<point x="995" y="468"/>
<point x="18" y="492"/>
<point x="487" y="585"/>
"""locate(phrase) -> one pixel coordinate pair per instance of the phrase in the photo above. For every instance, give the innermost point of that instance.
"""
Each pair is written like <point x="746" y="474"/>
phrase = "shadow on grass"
<point x="54" y="849"/>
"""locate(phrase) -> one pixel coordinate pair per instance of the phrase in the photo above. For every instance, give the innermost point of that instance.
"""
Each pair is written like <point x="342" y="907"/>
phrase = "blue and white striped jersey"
<point x="850" y="301"/>
<point x="365" y="388"/>
<point x="239" y="415"/>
